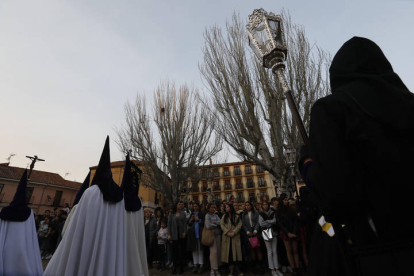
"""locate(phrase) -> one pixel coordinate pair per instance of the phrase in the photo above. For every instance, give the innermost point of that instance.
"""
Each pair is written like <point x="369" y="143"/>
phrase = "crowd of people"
<point x="49" y="227"/>
<point x="244" y="234"/>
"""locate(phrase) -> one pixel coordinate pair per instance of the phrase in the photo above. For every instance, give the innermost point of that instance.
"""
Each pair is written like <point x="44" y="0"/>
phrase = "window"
<point x="240" y="197"/>
<point x="227" y="185"/>
<point x="226" y="172"/>
<point x="239" y="184"/>
<point x="215" y="172"/>
<point x="58" y="197"/>
<point x="262" y="182"/>
<point x="204" y="173"/>
<point x="259" y="169"/>
<point x="217" y="198"/>
<point x="251" y="196"/>
<point x="263" y="193"/>
<point x="250" y="183"/>
<point x="228" y="197"/>
<point x="248" y="169"/>
<point x="216" y="185"/>
<point x="29" y="192"/>
<point x="205" y="186"/>
<point x="237" y="170"/>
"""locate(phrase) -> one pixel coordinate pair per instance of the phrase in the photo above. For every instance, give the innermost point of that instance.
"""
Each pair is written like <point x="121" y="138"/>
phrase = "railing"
<point x="237" y="172"/>
<point x="248" y="171"/>
<point x="259" y="170"/>
<point x="216" y="174"/>
<point x="227" y="187"/>
<point x="262" y="184"/>
<point x="250" y="184"/>
<point x="226" y="173"/>
<point x="239" y="186"/>
<point x="216" y="188"/>
<point x="240" y="199"/>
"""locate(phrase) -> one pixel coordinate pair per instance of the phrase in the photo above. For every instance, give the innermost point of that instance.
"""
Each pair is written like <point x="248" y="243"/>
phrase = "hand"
<point x="184" y="234"/>
<point x="169" y="237"/>
<point x="230" y="234"/>
<point x="250" y="234"/>
<point x="290" y="235"/>
<point x="197" y="219"/>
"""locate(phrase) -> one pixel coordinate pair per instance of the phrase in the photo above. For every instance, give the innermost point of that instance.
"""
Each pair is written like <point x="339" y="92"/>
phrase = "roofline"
<point x="39" y="183"/>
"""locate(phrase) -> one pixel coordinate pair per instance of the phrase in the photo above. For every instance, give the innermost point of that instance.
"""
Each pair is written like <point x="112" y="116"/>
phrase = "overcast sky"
<point x="68" y="67"/>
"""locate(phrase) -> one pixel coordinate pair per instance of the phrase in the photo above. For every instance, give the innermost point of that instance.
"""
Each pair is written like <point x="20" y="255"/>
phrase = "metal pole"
<point x="292" y="105"/>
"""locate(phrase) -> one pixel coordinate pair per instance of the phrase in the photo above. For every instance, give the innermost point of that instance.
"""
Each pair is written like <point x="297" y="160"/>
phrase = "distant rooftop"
<point x="15" y="173"/>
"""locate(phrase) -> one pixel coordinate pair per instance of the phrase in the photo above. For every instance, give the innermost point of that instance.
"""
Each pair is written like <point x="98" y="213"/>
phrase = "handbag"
<point x="254" y="241"/>
<point x="207" y="238"/>
<point x="267" y="234"/>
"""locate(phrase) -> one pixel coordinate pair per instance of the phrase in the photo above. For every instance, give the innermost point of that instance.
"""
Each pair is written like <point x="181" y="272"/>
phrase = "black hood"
<point x="82" y="189"/>
<point x="18" y="209"/>
<point x="103" y="177"/>
<point x="132" y="201"/>
<point x="361" y="70"/>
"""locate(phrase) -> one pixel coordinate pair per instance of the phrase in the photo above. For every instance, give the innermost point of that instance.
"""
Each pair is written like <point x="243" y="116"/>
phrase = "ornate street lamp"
<point x="291" y="160"/>
<point x="267" y="40"/>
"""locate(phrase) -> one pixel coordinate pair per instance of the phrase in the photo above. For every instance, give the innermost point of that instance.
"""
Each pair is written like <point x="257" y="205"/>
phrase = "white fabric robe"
<point x="19" y="248"/>
<point x="94" y="242"/>
<point x="69" y="218"/>
<point x="136" y="253"/>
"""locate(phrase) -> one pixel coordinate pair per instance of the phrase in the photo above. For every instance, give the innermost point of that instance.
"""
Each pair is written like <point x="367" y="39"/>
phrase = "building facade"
<point x="45" y="190"/>
<point x="242" y="180"/>
<point x="149" y="197"/>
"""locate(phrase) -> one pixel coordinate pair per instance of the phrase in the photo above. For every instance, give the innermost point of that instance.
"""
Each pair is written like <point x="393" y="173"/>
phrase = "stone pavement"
<point x="187" y="272"/>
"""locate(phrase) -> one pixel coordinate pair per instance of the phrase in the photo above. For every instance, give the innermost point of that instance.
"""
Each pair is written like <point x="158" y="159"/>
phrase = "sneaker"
<point x="48" y="256"/>
<point x="171" y="265"/>
<point x="200" y="271"/>
<point x="274" y="273"/>
<point x="289" y="268"/>
<point x="217" y="272"/>
<point x="168" y="264"/>
<point x="195" y="269"/>
<point x="190" y="264"/>
<point x="284" y="270"/>
<point x="278" y="273"/>
<point x="238" y="272"/>
<point x="212" y="273"/>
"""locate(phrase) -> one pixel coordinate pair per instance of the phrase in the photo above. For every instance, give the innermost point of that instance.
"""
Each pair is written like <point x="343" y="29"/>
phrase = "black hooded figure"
<point x="361" y="146"/>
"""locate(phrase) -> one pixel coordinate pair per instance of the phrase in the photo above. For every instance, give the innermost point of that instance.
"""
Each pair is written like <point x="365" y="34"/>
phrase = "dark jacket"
<point x="191" y="235"/>
<point x="288" y="221"/>
<point x="247" y="228"/>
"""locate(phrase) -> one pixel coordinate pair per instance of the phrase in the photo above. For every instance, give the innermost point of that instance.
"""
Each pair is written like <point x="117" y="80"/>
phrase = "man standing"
<point x="360" y="143"/>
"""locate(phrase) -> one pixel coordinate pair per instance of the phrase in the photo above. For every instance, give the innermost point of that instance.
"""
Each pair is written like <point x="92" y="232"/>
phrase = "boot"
<point x="200" y="271"/>
<point x="195" y="269"/>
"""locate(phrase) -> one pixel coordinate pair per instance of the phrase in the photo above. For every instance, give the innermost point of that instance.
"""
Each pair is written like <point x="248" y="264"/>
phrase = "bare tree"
<point x="173" y="143"/>
<point x="248" y="101"/>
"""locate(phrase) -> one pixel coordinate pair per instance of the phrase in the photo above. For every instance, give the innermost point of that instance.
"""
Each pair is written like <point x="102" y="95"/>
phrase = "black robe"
<point x="361" y="143"/>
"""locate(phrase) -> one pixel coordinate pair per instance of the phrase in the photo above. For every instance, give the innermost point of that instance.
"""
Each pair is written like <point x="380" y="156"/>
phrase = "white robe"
<point x="19" y="248"/>
<point x="69" y="218"/>
<point x="94" y="242"/>
<point x="136" y="253"/>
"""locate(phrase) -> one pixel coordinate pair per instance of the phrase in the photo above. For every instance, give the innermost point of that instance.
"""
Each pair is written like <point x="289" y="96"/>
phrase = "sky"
<point x="68" y="67"/>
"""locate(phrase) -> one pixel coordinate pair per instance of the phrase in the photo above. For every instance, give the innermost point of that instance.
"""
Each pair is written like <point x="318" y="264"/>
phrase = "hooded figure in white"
<point x="136" y="260"/>
<point x="94" y="242"/>
<point x="19" y="247"/>
<point x="82" y="189"/>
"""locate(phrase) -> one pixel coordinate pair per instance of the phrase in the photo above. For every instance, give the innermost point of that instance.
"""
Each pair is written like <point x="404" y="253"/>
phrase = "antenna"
<point x="66" y="174"/>
<point x="10" y="157"/>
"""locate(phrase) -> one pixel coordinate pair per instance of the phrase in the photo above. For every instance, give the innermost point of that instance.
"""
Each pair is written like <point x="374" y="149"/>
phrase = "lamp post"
<point x="291" y="159"/>
<point x="210" y="195"/>
<point x="267" y="40"/>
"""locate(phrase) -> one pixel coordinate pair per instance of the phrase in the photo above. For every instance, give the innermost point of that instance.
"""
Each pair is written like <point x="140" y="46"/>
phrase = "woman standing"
<point x="267" y="220"/>
<point x="213" y="222"/>
<point x="231" y="247"/>
<point x="251" y="228"/>
<point x="287" y="221"/>
<point x="195" y="230"/>
<point x="177" y="228"/>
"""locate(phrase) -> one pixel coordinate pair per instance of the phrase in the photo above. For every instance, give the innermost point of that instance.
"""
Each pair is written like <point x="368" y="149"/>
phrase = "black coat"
<point x="361" y="143"/>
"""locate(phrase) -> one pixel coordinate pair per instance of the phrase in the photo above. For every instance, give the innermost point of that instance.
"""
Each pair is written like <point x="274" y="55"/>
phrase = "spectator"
<point x="150" y="233"/>
<point x="288" y="224"/>
<point x="267" y="220"/>
<point x="66" y="209"/>
<point x="195" y="230"/>
<point x="43" y="230"/>
<point x="231" y="253"/>
<point x="177" y="228"/>
<point x="162" y="242"/>
<point x="212" y="221"/>
<point x="251" y="228"/>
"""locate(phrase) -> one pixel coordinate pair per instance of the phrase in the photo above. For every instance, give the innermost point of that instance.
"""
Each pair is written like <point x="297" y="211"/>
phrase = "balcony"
<point x="262" y="184"/>
<point x="216" y="174"/>
<point x="248" y="171"/>
<point x="226" y="173"/>
<point x="240" y="199"/>
<point x="259" y="169"/>
<point x="227" y="187"/>
<point x="237" y="172"/>
<point x="251" y="184"/>
<point x="216" y="188"/>
<point x="239" y="186"/>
